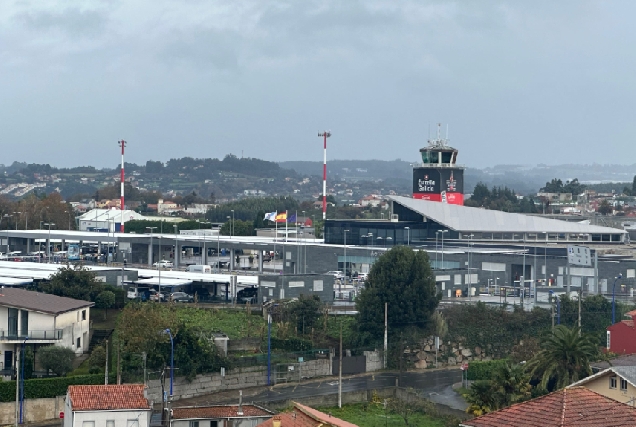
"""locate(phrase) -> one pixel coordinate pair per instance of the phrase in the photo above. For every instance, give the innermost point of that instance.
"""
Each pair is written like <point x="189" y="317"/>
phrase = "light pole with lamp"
<point x="7" y="216"/>
<point x="408" y="236"/>
<point x="269" y="348"/>
<point x="168" y="332"/>
<point x="442" y="232"/>
<point x="177" y="258"/>
<point x="152" y="249"/>
<point x="620" y="275"/>
<point x="345" y="255"/>
<point x="48" y="246"/>
<point x="22" y="381"/>
<point x="16" y="219"/>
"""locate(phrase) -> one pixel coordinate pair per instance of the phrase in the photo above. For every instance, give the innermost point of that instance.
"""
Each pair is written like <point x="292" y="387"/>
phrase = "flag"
<point x="281" y="217"/>
<point x="270" y="216"/>
<point x="292" y="218"/>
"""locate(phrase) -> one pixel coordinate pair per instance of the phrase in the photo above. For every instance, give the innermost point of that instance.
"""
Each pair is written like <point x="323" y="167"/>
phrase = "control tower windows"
<point x="447" y="157"/>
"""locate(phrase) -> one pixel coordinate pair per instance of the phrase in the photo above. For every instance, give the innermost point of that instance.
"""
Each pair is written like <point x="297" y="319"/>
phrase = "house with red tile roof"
<point x="304" y="416"/>
<point x="219" y="416"/>
<point x="570" y="407"/>
<point x="621" y="336"/>
<point x="123" y="405"/>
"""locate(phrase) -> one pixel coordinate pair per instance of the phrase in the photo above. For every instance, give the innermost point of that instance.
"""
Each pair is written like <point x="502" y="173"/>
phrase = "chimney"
<point x="240" y="407"/>
<point x="276" y="422"/>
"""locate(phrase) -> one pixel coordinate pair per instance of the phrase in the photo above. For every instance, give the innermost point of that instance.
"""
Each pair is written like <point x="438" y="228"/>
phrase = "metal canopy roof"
<point x="468" y="219"/>
<point x="164" y="282"/>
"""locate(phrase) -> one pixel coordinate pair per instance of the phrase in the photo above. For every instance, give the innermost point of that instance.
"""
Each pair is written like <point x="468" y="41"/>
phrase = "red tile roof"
<point x="570" y="407"/>
<point x="220" y="411"/>
<point x="304" y="416"/>
<point x="107" y="397"/>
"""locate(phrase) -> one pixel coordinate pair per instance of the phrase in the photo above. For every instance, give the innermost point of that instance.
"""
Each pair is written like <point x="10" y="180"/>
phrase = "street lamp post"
<point x="442" y="232"/>
<point x="7" y="216"/>
<point x="22" y="382"/>
<point x="167" y="331"/>
<point x="345" y="254"/>
<point x="470" y="281"/>
<point x="620" y="275"/>
<point x="177" y="258"/>
<point x="269" y="348"/>
<point x="48" y="246"/>
<point x="408" y="236"/>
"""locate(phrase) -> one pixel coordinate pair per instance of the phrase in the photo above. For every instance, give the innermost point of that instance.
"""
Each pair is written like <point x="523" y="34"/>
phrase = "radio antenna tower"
<point x="122" y="144"/>
<point x="325" y="135"/>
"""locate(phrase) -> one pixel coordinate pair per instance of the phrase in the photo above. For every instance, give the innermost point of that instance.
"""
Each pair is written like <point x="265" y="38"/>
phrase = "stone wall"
<point x="374" y="360"/>
<point x="34" y="410"/>
<point x="233" y="380"/>
<point x="449" y="354"/>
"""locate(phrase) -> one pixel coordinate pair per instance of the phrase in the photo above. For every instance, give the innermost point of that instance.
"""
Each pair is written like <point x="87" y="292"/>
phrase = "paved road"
<point x="434" y="385"/>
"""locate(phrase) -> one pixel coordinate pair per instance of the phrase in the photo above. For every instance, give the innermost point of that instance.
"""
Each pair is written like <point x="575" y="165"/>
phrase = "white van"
<point x="199" y="269"/>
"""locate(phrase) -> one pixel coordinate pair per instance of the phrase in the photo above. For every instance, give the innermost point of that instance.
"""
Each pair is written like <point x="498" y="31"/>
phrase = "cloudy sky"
<point x="518" y="81"/>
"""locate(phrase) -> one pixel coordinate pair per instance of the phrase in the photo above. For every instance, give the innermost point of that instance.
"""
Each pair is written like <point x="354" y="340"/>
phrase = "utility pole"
<point x="340" y="371"/>
<point x="580" y="296"/>
<point x="144" y="356"/>
<point x="386" y="332"/>
<point x="552" y="309"/>
<point x="118" y="363"/>
<point x="17" y="388"/>
<point x="106" y="368"/>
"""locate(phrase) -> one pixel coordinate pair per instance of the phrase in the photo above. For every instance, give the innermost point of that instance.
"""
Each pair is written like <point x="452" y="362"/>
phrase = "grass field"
<point x="373" y="415"/>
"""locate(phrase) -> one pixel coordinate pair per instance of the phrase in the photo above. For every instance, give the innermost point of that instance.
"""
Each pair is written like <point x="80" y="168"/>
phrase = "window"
<point x="110" y="423"/>
<point x="623" y="384"/>
<point x="194" y="424"/>
<point x="79" y="342"/>
<point x="13" y="322"/>
<point x="88" y="424"/>
<point x="83" y="314"/>
<point x="132" y="423"/>
<point x="612" y="381"/>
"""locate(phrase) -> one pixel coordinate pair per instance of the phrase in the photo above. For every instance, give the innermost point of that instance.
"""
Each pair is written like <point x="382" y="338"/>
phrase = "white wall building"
<point x="107" y="406"/>
<point x="106" y="219"/>
<point x="36" y="320"/>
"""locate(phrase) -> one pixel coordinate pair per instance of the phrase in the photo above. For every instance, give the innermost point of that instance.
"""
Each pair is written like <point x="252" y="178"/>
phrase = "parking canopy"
<point x="154" y="281"/>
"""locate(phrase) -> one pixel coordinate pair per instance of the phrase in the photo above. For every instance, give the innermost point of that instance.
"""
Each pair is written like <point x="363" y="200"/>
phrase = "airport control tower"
<point x="439" y="178"/>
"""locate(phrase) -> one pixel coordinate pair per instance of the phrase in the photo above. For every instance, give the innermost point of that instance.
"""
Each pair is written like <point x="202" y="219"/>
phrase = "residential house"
<point x="569" y="407"/>
<point x="219" y="416"/>
<point x="624" y="360"/>
<point x="107" y="406"/>
<point x="616" y="383"/>
<point x="36" y="319"/>
<point x="304" y="416"/>
<point x="621" y="336"/>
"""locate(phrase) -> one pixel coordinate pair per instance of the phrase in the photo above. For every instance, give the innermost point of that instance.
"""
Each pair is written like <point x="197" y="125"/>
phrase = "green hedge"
<point x="291" y="344"/>
<point x="484" y="370"/>
<point x="48" y="387"/>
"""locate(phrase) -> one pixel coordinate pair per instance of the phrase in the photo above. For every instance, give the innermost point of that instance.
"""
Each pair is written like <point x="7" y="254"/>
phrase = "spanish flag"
<point x="281" y="217"/>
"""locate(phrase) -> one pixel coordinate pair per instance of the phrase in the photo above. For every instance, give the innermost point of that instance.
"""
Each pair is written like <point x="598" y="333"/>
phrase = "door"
<point x="8" y="360"/>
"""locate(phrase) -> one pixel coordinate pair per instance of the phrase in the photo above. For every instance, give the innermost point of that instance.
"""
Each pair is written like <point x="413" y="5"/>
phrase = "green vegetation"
<point x="48" y="387"/>
<point x="235" y="323"/>
<point x="58" y="360"/>
<point x="564" y="358"/>
<point x="484" y="370"/>
<point x="507" y="384"/>
<point x="374" y="415"/>
<point x="501" y="199"/>
<point x="402" y="278"/>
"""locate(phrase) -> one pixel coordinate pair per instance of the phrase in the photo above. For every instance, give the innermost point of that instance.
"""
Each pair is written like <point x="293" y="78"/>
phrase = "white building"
<point x="106" y="219"/>
<point x="220" y="416"/>
<point x="36" y="320"/>
<point x="107" y="406"/>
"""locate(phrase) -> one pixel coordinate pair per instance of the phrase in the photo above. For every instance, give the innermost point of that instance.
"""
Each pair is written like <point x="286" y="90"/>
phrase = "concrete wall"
<point x="274" y="287"/>
<point x="34" y="410"/>
<point x="375" y="360"/>
<point x="233" y="380"/>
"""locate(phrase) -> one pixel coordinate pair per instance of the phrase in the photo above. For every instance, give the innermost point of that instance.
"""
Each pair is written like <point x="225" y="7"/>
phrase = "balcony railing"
<point x="37" y="335"/>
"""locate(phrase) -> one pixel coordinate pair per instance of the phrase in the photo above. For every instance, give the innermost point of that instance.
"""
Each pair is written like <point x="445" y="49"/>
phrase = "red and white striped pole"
<point x="325" y="135"/>
<point x="122" y="144"/>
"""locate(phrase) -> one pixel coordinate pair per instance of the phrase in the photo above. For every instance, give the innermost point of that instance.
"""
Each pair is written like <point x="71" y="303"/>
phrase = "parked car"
<point x="158" y="296"/>
<point x="181" y="297"/>
<point x="163" y="264"/>
<point x="337" y="274"/>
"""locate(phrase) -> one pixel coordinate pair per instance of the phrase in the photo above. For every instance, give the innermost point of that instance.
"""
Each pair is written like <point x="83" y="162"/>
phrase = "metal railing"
<point x="51" y="334"/>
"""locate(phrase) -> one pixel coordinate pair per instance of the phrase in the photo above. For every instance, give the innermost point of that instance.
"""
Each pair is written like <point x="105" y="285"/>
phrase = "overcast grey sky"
<point x="518" y="81"/>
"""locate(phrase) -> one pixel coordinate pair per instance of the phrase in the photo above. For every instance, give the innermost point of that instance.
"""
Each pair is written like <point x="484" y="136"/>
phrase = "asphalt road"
<point x="434" y="385"/>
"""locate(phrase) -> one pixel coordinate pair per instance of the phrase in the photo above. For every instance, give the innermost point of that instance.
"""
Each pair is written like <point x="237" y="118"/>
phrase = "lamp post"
<point x="48" y="246"/>
<point x="620" y="275"/>
<point x="302" y="228"/>
<point x="218" y="251"/>
<point x="22" y="382"/>
<point x="167" y="331"/>
<point x="442" y="232"/>
<point x="7" y="216"/>
<point x="176" y="247"/>
<point x="408" y="236"/>
<point x="232" y="232"/>
<point x="269" y="348"/>
<point x="345" y="254"/>
<point x="470" y="281"/>
<point x="16" y="220"/>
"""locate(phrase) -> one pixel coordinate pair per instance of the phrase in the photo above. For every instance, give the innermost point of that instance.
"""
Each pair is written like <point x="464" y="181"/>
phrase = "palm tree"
<point x="564" y="357"/>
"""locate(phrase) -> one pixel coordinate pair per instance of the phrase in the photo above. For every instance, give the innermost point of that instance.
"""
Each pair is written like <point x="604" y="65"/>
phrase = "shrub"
<point x="484" y="370"/>
<point x="57" y="359"/>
